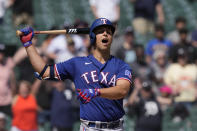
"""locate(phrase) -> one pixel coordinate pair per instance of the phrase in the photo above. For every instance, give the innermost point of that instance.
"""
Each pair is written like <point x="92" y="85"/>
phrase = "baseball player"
<point x="101" y="80"/>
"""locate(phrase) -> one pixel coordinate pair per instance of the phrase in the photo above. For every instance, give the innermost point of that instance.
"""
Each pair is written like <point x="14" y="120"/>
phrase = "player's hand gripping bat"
<point x="65" y="31"/>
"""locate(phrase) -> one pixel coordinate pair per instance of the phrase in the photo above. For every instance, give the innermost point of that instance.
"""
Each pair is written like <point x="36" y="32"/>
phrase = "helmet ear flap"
<point x="92" y="38"/>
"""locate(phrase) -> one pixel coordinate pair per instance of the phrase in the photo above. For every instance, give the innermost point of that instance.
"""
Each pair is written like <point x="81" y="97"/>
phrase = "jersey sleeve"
<point x="124" y="73"/>
<point x="65" y="70"/>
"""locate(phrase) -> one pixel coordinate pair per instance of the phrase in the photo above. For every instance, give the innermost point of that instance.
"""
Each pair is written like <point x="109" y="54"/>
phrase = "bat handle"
<point x="19" y="33"/>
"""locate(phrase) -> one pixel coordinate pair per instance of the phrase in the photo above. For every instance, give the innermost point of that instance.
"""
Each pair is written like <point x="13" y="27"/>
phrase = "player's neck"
<point x="101" y="56"/>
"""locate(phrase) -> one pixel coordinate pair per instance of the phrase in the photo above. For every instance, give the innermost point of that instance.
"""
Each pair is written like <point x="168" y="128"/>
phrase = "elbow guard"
<point x="51" y="77"/>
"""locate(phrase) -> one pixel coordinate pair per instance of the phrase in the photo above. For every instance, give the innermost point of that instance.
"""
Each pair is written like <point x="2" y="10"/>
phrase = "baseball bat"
<point x="65" y="31"/>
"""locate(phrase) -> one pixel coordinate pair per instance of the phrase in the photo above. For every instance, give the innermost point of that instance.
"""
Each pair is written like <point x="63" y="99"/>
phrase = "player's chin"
<point x="106" y="45"/>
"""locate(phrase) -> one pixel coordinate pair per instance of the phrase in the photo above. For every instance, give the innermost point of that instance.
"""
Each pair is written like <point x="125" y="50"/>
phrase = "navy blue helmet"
<point x="97" y="23"/>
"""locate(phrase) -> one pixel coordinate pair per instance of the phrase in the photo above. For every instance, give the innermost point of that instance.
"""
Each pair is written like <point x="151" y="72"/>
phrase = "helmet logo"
<point x="104" y="21"/>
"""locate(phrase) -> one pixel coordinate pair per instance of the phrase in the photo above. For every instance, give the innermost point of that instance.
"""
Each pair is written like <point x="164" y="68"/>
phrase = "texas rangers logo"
<point x="104" y="21"/>
<point x="92" y="76"/>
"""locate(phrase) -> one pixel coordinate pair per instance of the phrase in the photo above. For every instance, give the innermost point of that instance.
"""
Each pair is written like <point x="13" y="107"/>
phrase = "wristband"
<point x="27" y="44"/>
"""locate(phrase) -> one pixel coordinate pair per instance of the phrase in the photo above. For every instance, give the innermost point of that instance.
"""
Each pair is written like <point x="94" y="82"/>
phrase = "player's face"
<point x="103" y="37"/>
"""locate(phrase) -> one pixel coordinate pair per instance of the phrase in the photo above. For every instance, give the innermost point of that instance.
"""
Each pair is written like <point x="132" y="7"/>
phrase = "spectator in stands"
<point x="165" y="98"/>
<point x="21" y="61"/>
<point x="61" y="48"/>
<point x="3" y="122"/>
<point x="4" y="4"/>
<point x="127" y="52"/>
<point x="7" y="82"/>
<point x="181" y="77"/>
<point x="157" y="43"/>
<point x="146" y="107"/>
<point x="179" y="113"/>
<point x="61" y="108"/>
<point x="119" y="38"/>
<point x="60" y="97"/>
<point x="194" y="39"/>
<point x="142" y="69"/>
<point x="24" y="108"/>
<point x="158" y="66"/>
<point x="186" y="45"/>
<point x="43" y="90"/>
<point x="81" y="40"/>
<point x="174" y="36"/>
<point x="23" y="12"/>
<point x="145" y="12"/>
<point x="109" y="9"/>
<point x="47" y="40"/>
<point x="43" y="97"/>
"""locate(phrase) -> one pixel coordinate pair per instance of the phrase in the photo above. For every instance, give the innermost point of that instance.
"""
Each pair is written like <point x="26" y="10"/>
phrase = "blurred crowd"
<point x="164" y="69"/>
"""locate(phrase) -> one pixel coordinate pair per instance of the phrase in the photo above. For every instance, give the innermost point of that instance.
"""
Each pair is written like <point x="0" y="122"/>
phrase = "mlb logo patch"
<point x="128" y="73"/>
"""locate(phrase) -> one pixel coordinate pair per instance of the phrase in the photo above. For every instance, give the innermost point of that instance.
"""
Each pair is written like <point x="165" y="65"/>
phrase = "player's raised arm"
<point x="36" y="60"/>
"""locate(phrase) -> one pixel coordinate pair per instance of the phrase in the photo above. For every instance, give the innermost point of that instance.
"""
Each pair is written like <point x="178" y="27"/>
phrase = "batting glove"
<point x="28" y="34"/>
<point x="86" y="95"/>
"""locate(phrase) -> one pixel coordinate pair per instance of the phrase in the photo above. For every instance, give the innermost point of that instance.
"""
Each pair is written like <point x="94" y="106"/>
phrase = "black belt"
<point x="109" y="125"/>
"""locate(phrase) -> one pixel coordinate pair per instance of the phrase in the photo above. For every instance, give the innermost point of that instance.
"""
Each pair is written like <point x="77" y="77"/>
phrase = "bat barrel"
<point x="66" y="31"/>
<point x="78" y="30"/>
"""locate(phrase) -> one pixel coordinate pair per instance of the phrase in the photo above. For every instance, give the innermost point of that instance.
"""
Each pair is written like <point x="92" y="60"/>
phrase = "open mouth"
<point x="104" y="40"/>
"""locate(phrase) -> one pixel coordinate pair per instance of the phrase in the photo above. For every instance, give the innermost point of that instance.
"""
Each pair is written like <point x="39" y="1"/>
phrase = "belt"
<point x="101" y="125"/>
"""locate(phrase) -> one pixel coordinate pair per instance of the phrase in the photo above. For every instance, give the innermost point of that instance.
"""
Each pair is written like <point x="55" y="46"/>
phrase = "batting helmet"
<point x="97" y="23"/>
